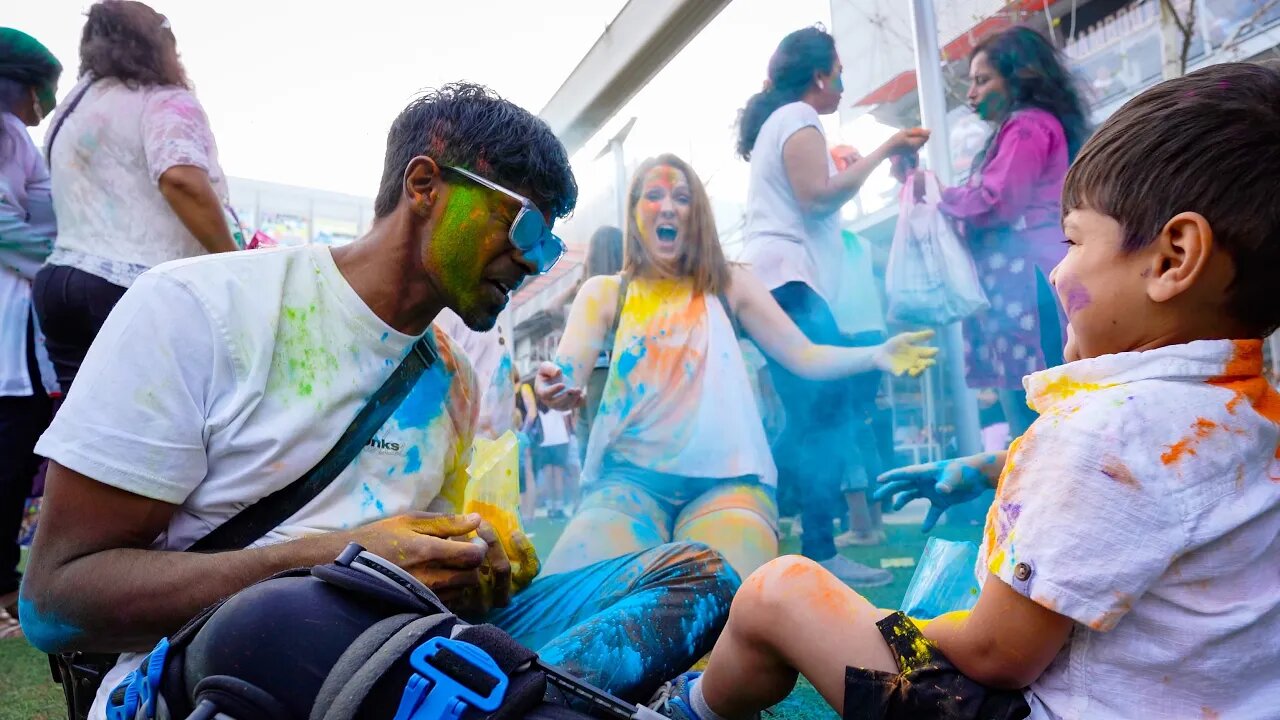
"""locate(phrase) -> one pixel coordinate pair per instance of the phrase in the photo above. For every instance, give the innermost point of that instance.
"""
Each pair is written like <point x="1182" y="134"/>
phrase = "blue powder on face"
<point x="412" y="460"/>
<point x="46" y="631"/>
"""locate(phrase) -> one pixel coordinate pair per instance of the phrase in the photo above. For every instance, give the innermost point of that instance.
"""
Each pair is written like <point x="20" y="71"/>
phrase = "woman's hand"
<point x="903" y="354"/>
<point x="552" y="389"/>
<point x="906" y="141"/>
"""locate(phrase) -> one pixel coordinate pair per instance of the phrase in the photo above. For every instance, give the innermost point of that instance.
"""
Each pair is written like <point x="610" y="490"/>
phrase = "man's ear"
<point x="1180" y="257"/>
<point x="421" y="185"/>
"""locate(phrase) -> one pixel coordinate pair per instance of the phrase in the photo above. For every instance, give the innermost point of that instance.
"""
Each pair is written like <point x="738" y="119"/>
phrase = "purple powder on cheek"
<point x="1075" y="296"/>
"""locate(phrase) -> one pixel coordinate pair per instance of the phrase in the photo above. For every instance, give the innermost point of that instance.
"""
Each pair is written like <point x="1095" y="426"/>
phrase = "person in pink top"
<point x="1010" y="210"/>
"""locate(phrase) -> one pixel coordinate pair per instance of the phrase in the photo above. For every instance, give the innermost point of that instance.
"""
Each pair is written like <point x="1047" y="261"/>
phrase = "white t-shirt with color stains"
<point x="1144" y="504"/>
<point x="219" y="380"/>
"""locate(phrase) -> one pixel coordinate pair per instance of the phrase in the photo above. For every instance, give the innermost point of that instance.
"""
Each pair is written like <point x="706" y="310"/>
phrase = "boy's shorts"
<point x="928" y="686"/>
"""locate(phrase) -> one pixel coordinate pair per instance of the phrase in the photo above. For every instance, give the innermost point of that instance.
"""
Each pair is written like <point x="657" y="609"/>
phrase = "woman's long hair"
<point x="604" y="252"/>
<point x="800" y="56"/>
<point x="129" y="41"/>
<point x="1037" y="77"/>
<point x="701" y="257"/>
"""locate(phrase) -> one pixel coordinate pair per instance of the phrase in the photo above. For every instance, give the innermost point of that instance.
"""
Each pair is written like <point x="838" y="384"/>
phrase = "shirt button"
<point x="1022" y="571"/>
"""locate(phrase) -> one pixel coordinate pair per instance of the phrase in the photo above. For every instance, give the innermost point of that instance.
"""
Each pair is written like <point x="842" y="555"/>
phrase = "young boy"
<point x="1131" y="561"/>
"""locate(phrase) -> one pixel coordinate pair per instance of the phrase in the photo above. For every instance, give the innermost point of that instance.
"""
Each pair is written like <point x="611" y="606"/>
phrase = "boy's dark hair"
<point x="469" y="126"/>
<point x="1209" y="143"/>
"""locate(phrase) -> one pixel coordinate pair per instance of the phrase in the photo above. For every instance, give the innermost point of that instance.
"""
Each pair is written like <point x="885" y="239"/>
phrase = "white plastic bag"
<point x="931" y="279"/>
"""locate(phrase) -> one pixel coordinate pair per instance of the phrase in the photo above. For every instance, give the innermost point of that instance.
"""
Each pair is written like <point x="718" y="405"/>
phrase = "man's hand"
<point x="552" y="388"/>
<point x="508" y="568"/>
<point x="903" y="355"/>
<point x="943" y="483"/>
<point x="421" y="543"/>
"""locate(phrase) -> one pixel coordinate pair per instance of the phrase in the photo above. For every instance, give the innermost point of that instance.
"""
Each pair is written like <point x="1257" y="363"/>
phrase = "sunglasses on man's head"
<point x="529" y="232"/>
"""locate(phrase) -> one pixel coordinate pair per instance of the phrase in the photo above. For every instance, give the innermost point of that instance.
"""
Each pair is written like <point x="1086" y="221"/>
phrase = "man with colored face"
<point x="219" y="380"/>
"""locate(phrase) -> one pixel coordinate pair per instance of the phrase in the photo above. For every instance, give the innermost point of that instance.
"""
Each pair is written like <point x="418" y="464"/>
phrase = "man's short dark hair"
<point x="1208" y="142"/>
<point x="469" y="126"/>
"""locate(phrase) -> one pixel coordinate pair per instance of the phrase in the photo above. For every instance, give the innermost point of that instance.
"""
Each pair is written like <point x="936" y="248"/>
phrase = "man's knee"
<point x="693" y="562"/>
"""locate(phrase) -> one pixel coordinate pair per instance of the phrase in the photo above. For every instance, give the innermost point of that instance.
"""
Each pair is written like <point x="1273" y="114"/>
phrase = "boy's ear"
<point x="1180" y="256"/>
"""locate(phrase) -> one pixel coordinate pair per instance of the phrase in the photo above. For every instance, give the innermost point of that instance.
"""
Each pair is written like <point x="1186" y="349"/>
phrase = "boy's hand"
<point x="500" y="576"/>
<point x="943" y="483"/>
<point x="903" y="355"/>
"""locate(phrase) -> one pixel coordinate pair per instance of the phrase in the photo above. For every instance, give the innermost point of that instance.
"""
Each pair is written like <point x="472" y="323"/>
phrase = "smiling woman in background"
<point x="678" y="450"/>
<point x="135" y="177"/>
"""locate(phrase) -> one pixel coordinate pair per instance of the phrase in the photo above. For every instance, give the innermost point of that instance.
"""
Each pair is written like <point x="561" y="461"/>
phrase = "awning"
<point x="904" y="83"/>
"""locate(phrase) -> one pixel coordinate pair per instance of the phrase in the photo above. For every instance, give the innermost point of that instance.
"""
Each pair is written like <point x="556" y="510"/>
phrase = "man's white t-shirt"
<point x="218" y="380"/>
<point x="490" y="356"/>
<point x="1144" y="504"/>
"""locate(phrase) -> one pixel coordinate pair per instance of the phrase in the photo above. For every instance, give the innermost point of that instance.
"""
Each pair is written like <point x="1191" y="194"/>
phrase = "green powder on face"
<point x="300" y="361"/>
<point x="455" y="251"/>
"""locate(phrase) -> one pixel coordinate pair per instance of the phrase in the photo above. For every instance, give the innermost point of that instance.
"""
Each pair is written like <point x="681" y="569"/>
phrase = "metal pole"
<point x="620" y="181"/>
<point x="933" y="110"/>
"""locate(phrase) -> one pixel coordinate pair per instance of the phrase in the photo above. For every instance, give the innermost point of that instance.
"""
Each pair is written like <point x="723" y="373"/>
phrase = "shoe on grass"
<point x="672" y="699"/>
<point x="855" y="574"/>
<point x="860" y="539"/>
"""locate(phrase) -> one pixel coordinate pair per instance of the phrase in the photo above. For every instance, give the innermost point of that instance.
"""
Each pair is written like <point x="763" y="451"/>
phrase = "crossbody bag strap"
<point x="611" y="338"/>
<point x="62" y="117"/>
<point x="260" y="518"/>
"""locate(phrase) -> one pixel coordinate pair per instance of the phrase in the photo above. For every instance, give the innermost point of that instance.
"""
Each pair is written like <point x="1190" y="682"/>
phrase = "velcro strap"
<point x="465" y="673"/>
<point x="509" y="654"/>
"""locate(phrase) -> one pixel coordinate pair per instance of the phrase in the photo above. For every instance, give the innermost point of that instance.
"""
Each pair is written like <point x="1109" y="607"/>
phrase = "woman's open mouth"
<point x="666" y="235"/>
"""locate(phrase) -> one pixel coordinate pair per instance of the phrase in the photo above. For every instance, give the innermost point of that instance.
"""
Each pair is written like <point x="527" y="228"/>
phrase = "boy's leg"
<point x="615" y="519"/>
<point x="790" y="617"/>
<point x="627" y="624"/>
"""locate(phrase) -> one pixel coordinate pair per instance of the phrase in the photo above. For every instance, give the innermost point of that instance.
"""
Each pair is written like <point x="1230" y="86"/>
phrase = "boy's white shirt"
<point x="1144" y="504"/>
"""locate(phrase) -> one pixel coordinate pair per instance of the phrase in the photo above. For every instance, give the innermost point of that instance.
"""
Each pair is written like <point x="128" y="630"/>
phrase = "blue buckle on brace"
<point x="433" y="694"/>
<point x="141" y="688"/>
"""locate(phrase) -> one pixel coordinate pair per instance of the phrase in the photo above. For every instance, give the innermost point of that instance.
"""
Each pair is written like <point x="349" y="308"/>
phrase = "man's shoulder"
<point x="222" y="273"/>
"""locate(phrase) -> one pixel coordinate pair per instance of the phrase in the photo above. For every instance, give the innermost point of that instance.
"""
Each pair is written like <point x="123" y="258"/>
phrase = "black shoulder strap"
<point x="258" y="519"/>
<point x="611" y="338"/>
<point x="62" y="117"/>
<point x="728" y="310"/>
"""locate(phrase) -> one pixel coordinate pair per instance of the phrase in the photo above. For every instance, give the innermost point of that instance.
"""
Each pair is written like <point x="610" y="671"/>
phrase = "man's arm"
<point x="92" y="583"/>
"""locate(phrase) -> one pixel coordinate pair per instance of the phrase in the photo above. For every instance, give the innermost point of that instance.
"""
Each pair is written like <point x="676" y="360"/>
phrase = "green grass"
<point x="28" y="693"/>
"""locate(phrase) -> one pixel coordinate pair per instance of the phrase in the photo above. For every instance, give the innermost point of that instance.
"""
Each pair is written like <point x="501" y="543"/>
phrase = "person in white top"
<point x="219" y="380"/>
<point x="490" y="356"/>
<point x="28" y="81"/>
<point x="135" y="172"/>
<point x="1130" y="565"/>
<point x="678" y="449"/>
<point x="794" y="246"/>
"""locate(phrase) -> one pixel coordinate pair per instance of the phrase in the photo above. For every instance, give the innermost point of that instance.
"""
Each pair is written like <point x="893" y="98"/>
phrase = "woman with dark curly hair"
<point x="136" y="180"/>
<point x="1010" y="210"/>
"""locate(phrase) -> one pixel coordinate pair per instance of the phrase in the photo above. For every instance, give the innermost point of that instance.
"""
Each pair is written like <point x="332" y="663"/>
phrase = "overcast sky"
<point x="302" y="93"/>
